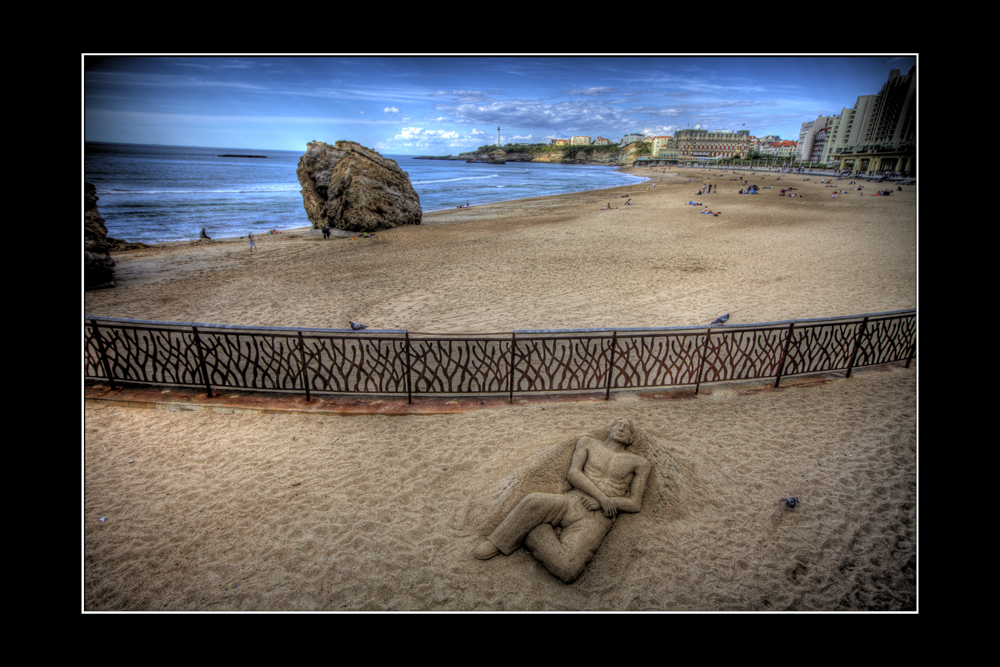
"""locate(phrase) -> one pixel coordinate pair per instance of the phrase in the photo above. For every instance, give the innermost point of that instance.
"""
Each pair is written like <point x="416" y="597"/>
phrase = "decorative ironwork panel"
<point x="356" y="364"/>
<point x="818" y="348"/>
<point x="251" y="360"/>
<point x="886" y="340"/>
<point x="448" y="366"/>
<point x="145" y="352"/>
<point x="561" y="364"/>
<point x="92" y="366"/>
<point x="742" y="355"/>
<point x="656" y="360"/>
<point x="148" y="355"/>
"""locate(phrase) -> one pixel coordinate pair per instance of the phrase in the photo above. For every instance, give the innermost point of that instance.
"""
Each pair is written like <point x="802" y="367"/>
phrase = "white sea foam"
<point x="450" y="180"/>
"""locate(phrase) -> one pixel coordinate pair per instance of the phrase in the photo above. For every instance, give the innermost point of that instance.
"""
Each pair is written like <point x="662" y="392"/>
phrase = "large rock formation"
<point x="98" y="267"/>
<point x="350" y="187"/>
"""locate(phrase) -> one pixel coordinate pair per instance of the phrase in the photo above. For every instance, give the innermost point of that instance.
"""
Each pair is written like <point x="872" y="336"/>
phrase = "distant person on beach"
<point x="326" y="232"/>
<point x="203" y="235"/>
<point x="253" y="245"/>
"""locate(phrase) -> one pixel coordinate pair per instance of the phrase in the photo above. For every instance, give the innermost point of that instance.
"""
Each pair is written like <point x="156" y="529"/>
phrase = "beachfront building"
<point x="813" y="138"/>
<point x="580" y="141"/>
<point x="560" y="142"/>
<point x="660" y="143"/>
<point x="883" y="135"/>
<point x="786" y="149"/>
<point x="601" y="141"/>
<point x="779" y="149"/>
<point x="665" y="148"/>
<point x="694" y="145"/>
<point x="632" y="138"/>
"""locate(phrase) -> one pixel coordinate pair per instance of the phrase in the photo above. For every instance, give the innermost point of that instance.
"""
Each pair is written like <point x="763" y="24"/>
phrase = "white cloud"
<point x="560" y="116"/>
<point x="596" y="90"/>
<point x="391" y="110"/>
<point x="416" y="133"/>
<point x="434" y="141"/>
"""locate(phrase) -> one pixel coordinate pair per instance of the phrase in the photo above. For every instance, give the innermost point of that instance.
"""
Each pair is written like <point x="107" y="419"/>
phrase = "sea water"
<point x="152" y="193"/>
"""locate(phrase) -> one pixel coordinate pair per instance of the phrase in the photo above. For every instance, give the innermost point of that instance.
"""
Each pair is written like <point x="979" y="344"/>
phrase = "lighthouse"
<point x="498" y="135"/>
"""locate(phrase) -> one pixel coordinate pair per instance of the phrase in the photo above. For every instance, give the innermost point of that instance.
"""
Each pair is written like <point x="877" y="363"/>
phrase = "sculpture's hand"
<point x="589" y="503"/>
<point x="609" y="506"/>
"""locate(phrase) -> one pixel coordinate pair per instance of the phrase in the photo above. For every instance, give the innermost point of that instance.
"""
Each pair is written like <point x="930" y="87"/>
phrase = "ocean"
<point x="153" y="194"/>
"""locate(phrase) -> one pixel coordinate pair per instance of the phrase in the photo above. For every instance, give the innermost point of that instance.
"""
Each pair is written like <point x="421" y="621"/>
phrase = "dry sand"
<point x="208" y="511"/>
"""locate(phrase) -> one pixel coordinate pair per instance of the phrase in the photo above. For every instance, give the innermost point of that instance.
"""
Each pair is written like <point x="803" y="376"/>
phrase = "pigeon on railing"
<point x="357" y="326"/>
<point x="721" y="320"/>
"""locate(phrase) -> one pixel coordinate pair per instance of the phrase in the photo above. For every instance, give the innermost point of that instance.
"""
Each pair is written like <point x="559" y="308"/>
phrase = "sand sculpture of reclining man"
<point x="606" y="480"/>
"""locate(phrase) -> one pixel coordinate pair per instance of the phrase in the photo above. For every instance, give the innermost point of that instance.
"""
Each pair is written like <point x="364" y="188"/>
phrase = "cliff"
<point x="610" y="155"/>
<point x="98" y="267"/>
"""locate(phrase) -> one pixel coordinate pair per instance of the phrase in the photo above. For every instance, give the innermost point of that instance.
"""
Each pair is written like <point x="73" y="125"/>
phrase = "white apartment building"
<point x="580" y="141"/>
<point x="661" y="144"/>
<point x="813" y="139"/>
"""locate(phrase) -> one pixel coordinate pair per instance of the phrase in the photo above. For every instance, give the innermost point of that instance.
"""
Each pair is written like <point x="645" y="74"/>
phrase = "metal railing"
<point x="397" y="362"/>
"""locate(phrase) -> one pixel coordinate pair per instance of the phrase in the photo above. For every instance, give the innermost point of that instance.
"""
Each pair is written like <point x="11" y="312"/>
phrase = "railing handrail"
<point x="608" y="330"/>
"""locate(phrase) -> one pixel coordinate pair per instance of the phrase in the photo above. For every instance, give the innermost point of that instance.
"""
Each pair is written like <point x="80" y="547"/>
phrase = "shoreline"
<point x="668" y="266"/>
<point x="305" y="229"/>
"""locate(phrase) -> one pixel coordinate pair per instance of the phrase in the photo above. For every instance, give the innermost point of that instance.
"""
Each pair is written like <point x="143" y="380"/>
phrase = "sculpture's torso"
<point x="611" y="471"/>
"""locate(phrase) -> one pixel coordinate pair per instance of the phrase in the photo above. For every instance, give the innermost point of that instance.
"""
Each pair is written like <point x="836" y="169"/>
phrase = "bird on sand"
<point x="357" y="326"/>
<point x="721" y="320"/>
<point x="791" y="502"/>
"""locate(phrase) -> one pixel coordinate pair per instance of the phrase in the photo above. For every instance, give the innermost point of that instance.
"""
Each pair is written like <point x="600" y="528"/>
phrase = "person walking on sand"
<point x="253" y="245"/>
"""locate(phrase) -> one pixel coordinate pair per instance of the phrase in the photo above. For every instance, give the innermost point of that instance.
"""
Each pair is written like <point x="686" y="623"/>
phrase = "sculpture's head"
<point x="622" y="430"/>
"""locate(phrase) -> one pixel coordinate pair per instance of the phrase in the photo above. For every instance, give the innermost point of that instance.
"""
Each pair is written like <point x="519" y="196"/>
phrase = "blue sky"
<point x="417" y="105"/>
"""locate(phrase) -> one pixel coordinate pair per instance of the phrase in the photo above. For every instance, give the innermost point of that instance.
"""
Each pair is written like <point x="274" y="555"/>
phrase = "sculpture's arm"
<point x="633" y="501"/>
<point x="577" y="477"/>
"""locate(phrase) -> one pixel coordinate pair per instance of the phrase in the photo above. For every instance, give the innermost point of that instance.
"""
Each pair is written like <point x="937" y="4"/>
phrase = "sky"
<point x="422" y="105"/>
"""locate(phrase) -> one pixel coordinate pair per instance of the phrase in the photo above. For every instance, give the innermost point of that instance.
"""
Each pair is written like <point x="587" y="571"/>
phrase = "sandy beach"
<point x="207" y="511"/>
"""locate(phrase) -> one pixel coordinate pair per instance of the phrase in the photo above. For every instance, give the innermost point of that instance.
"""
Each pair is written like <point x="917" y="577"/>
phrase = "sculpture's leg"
<point x="535" y="509"/>
<point x="567" y="555"/>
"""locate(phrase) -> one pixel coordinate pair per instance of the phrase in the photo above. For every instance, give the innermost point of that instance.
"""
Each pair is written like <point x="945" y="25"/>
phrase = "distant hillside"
<point x="611" y="154"/>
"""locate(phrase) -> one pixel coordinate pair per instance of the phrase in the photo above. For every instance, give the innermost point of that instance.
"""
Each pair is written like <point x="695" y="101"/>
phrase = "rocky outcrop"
<point x="350" y="187"/>
<point x="116" y="245"/>
<point x="613" y="158"/>
<point x="98" y="267"/>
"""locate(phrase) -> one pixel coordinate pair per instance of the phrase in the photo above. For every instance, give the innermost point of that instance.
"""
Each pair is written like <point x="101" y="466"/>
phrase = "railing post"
<point x="913" y="345"/>
<point x="104" y="355"/>
<point x="784" y="353"/>
<point x="303" y="376"/>
<point x="201" y="361"/>
<point x="513" y="344"/>
<point x="409" y="382"/>
<point x="611" y="365"/>
<point x="701" y="365"/>
<point x="857" y="342"/>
